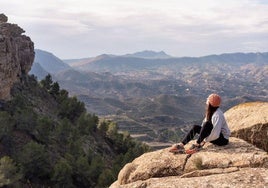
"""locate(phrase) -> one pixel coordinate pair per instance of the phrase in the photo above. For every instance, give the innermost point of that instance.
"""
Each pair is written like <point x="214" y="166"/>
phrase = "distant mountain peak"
<point x="103" y="56"/>
<point x="47" y="63"/>
<point x="149" y="54"/>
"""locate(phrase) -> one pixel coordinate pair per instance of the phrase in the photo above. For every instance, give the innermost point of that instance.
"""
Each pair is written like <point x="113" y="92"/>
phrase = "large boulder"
<point x="242" y="178"/>
<point x="16" y="55"/>
<point x="249" y="121"/>
<point x="238" y="157"/>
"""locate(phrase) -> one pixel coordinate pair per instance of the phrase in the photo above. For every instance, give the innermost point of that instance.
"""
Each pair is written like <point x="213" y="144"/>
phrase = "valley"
<point x="156" y="99"/>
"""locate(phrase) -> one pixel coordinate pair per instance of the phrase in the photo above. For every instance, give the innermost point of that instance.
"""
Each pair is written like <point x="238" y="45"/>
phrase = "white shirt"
<point x="219" y="126"/>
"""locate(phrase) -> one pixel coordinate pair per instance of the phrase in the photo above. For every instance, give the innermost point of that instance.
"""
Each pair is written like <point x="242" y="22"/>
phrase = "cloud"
<point x="123" y="26"/>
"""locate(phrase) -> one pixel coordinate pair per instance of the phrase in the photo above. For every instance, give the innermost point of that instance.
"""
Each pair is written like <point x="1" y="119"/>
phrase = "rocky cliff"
<point x="16" y="55"/>
<point x="239" y="164"/>
<point x="249" y="121"/>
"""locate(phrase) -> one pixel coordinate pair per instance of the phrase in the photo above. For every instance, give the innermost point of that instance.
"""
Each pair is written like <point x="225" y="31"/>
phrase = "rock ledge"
<point x="229" y="164"/>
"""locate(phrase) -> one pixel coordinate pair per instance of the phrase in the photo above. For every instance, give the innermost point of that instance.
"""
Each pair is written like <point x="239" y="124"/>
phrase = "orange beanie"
<point x="214" y="100"/>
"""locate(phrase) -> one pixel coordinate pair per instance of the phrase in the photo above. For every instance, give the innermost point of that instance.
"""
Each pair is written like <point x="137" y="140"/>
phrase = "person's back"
<point x="214" y="128"/>
<point x="219" y="127"/>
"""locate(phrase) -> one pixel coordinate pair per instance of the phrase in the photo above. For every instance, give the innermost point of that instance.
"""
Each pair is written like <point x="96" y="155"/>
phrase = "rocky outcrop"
<point x="249" y="121"/>
<point x="239" y="164"/>
<point x="16" y="55"/>
<point x="243" y="178"/>
<point x="213" y="166"/>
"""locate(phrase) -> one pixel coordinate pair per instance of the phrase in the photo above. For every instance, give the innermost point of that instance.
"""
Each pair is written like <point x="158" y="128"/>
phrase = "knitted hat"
<point x="214" y="100"/>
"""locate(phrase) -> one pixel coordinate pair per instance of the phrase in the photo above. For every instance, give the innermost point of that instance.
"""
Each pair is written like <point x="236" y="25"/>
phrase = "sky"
<point x="87" y="28"/>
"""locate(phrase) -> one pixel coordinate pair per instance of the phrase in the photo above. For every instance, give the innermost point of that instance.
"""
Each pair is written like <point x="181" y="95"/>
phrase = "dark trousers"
<point x="204" y="131"/>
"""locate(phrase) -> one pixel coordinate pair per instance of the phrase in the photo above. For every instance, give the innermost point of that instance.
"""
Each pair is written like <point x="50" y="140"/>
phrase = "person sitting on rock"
<point x="214" y="129"/>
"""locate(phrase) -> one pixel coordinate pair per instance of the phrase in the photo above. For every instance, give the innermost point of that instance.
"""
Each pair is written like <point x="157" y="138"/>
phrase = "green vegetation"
<point x="9" y="173"/>
<point x="198" y="163"/>
<point x="47" y="139"/>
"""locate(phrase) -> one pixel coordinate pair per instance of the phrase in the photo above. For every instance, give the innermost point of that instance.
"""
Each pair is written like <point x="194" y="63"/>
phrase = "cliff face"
<point x="249" y="121"/>
<point x="16" y="55"/>
<point x="239" y="164"/>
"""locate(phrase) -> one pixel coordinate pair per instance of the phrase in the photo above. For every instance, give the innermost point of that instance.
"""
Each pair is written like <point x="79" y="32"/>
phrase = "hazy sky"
<point x="86" y="28"/>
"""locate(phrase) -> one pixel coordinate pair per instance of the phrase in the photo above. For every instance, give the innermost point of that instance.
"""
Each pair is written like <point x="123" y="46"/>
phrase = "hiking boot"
<point x="193" y="149"/>
<point x="177" y="149"/>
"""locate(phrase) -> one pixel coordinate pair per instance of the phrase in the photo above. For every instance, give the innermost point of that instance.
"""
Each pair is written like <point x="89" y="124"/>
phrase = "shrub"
<point x="87" y="123"/>
<point x="62" y="174"/>
<point x="106" y="178"/>
<point x="46" y="82"/>
<point x="9" y="172"/>
<point x="71" y="109"/>
<point x="43" y="128"/>
<point x="198" y="163"/>
<point x="34" y="160"/>
<point x="7" y="123"/>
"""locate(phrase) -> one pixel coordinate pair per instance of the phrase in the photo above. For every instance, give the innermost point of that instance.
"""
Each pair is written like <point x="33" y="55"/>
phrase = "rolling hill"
<point x="163" y="96"/>
<point x="45" y="62"/>
<point x="117" y="64"/>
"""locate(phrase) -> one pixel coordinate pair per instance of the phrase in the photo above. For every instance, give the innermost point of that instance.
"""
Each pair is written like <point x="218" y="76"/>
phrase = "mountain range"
<point x="156" y="98"/>
<point x="117" y="64"/>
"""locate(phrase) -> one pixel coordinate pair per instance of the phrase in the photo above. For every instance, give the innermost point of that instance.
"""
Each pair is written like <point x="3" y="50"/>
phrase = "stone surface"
<point x="249" y="121"/>
<point x="242" y="178"/>
<point x="16" y="55"/>
<point x="165" y="167"/>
